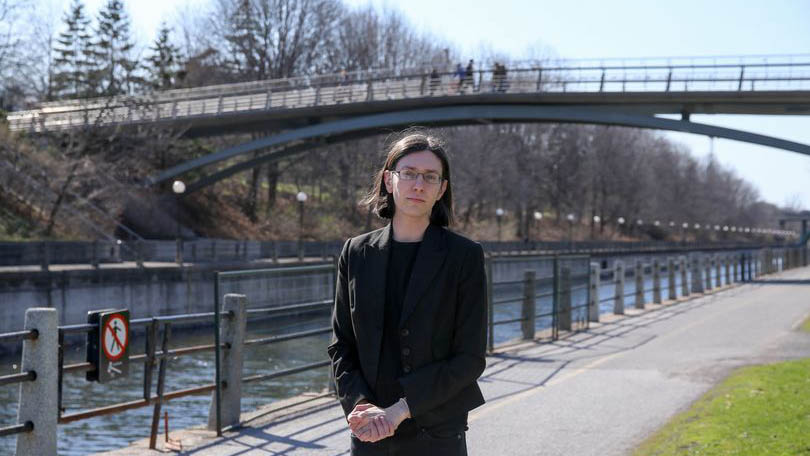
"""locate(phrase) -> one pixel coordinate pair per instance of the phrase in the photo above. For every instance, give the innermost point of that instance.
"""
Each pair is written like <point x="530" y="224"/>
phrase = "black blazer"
<point x="442" y="328"/>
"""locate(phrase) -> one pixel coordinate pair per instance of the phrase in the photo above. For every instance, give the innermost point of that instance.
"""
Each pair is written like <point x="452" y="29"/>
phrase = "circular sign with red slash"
<point x="115" y="337"/>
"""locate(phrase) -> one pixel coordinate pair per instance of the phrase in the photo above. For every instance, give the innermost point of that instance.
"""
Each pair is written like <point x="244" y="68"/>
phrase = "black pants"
<point x="419" y="442"/>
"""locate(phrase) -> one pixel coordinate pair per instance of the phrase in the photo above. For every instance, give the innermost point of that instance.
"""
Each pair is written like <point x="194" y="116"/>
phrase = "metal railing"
<point x="548" y="280"/>
<point x="208" y="250"/>
<point x="718" y="74"/>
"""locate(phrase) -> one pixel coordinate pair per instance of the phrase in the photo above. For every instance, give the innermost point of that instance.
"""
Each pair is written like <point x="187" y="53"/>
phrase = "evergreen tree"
<point x="116" y="69"/>
<point x="164" y="62"/>
<point x="74" y="54"/>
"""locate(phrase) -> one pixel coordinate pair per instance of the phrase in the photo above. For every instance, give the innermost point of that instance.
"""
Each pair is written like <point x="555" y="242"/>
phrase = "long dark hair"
<point x="410" y="141"/>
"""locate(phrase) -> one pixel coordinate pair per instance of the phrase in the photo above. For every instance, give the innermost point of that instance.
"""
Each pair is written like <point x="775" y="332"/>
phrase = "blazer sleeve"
<point x="349" y="382"/>
<point x="431" y="384"/>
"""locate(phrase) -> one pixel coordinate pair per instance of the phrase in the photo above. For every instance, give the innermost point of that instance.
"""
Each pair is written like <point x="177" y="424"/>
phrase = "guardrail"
<point x="567" y="288"/>
<point x="772" y="73"/>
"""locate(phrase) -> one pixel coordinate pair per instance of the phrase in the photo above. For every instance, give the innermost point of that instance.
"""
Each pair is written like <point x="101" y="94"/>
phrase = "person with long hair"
<point x="409" y="318"/>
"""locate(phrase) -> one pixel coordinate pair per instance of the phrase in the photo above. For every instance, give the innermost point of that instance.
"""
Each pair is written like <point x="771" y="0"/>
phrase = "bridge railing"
<point x="653" y="75"/>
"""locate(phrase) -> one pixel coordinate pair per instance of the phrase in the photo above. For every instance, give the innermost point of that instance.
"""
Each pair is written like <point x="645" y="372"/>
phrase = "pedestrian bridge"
<point x="716" y="85"/>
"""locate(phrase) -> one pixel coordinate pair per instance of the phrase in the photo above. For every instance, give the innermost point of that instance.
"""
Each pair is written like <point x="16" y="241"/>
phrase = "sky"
<point x="614" y="29"/>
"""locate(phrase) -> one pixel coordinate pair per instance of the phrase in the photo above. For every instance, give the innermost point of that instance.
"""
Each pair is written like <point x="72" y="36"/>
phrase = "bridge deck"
<point x="598" y="392"/>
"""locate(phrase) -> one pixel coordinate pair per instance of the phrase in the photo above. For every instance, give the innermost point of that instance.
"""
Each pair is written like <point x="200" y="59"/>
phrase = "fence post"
<point x="697" y="276"/>
<point x="232" y="335"/>
<point x="673" y="294"/>
<point x="139" y="253"/>
<point x="726" y="263"/>
<point x="639" y="276"/>
<point x="565" y="298"/>
<point x="94" y="254"/>
<point x="528" y="305"/>
<point x="46" y="253"/>
<point x="490" y="306"/>
<point x="718" y="271"/>
<point x="593" y="293"/>
<point x="618" y="277"/>
<point x="734" y="263"/>
<point x="707" y="265"/>
<point x="656" y="281"/>
<point x="38" y="398"/>
<point x="684" y="277"/>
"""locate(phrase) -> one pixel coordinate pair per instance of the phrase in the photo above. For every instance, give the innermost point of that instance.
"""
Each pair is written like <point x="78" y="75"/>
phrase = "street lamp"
<point x="178" y="187"/>
<point x="537" y="217"/>
<point x="570" y="218"/>
<point x="596" y="220"/>
<point x="498" y="215"/>
<point x="302" y="198"/>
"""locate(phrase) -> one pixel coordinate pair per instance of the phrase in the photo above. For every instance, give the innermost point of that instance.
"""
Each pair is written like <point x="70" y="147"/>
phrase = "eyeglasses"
<point x="411" y="175"/>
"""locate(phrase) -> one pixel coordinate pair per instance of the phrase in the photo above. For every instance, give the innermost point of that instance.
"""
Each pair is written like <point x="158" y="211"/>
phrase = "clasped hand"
<point x="372" y="424"/>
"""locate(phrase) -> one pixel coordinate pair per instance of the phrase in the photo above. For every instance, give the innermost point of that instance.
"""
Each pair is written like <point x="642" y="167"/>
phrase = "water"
<point x="118" y="430"/>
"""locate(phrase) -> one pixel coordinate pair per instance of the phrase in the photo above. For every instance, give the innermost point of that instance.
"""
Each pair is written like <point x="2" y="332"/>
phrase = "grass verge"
<point x="806" y="325"/>
<point x="758" y="410"/>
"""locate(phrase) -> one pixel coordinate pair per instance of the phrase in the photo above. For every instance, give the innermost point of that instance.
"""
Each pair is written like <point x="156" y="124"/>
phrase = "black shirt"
<point x="400" y="264"/>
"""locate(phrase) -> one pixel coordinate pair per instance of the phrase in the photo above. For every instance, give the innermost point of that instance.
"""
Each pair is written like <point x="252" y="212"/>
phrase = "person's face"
<point x="415" y="198"/>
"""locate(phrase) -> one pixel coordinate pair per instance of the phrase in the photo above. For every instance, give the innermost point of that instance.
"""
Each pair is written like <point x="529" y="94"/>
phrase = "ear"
<point x="387" y="180"/>
<point x="442" y="190"/>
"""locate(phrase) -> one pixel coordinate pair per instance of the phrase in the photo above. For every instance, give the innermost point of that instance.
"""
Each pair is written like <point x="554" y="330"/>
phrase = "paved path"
<point x="599" y="392"/>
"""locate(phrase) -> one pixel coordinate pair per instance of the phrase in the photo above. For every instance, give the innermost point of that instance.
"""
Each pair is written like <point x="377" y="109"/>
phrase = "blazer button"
<point x="404" y="332"/>
<point x="406" y="351"/>
<point x="406" y="368"/>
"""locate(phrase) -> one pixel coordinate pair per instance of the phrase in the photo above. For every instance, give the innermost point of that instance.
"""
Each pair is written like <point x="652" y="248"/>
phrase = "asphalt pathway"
<point x="596" y="392"/>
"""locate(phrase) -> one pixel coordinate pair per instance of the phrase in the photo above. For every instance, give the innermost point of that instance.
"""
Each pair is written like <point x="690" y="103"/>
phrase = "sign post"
<point x="108" y="345"/>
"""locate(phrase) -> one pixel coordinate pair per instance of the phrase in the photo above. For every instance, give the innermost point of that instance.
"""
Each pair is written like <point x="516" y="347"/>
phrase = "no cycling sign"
<point x="108" y="344"/>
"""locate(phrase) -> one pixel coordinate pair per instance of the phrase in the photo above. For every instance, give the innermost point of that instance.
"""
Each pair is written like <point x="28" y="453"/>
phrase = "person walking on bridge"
<point x="409" y="318"/>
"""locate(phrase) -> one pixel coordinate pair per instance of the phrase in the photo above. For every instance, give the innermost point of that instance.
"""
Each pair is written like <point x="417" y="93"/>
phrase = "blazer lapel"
<point x="429" y="259"/>
<point x="375" y="272"/>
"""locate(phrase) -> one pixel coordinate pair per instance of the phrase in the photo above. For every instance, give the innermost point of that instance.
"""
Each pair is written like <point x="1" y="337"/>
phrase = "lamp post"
<point x="178" y="187"/>
<point x="596" y="220"/>
<point x="302" y="198"/>
<point x="498" y="215"/>
<point x="684" y="227"/>
<point x="537" y="217"/>
<point x="570" y="218"/>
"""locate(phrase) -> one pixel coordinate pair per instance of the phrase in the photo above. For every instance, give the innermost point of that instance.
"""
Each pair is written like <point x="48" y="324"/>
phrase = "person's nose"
<point x="419" y="182"/>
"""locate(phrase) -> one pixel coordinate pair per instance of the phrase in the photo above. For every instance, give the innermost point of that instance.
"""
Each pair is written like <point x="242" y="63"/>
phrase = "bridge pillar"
<point x="38" y="398"/>
<point x="232" y="334"/>
<point x="593" y="293"/>
<point x="618" y="277"/>
<point x="656" y="282"/>
<point x="697" y="276"/>
<point x="673" y="295"/>
<point x="684" y="277"/>
<point x="528" y="311"/>
<point x="639" y="276"/>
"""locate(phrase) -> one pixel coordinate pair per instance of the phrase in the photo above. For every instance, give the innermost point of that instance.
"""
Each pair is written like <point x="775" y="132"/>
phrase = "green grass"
<point x="759" y="410"/>
<point x="806" y="325"/>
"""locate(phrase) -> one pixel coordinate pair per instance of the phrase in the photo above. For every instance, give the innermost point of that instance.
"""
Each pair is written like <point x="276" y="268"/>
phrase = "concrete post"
<point x="528" y="306"/>
<point x="38" y="398"/>
<point x="232" y="334"/>
<point x="94" y="254"/>
<point x="656" y="282"/>
<point x="673" y="294"/>
<point x="639" y="276"/>
<point x="697" y="276"/>
<point x="707" y="265"/>
<point x="618" y="277"/>
<point x="593" y="294"/>
<point x="565" y="298"/>
<point x="684" y="277"/>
